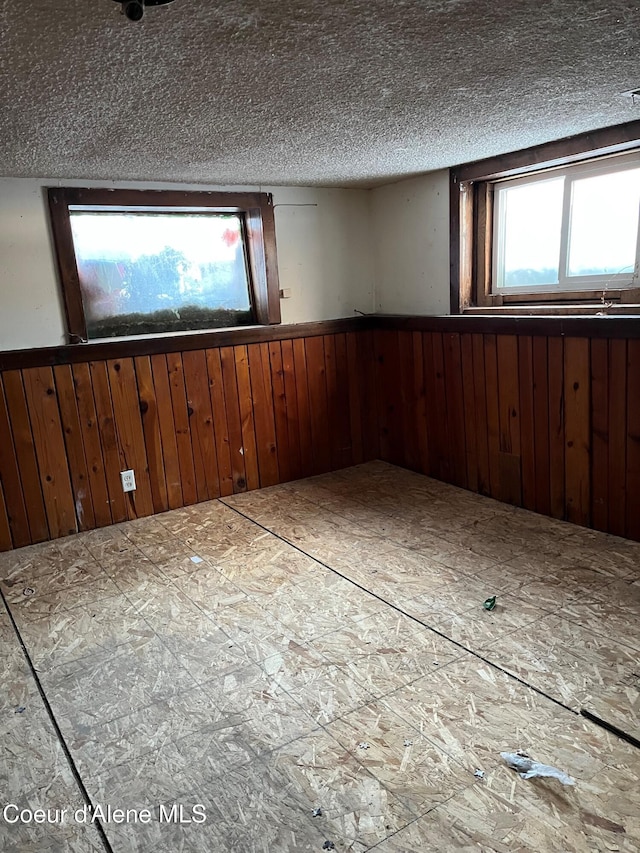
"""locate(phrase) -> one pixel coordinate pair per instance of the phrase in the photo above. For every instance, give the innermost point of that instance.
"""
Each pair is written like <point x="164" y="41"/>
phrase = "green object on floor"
<point x="490" y="603"/>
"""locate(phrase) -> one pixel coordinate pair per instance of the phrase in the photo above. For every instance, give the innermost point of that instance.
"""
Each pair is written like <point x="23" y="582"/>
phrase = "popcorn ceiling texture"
<point x="333" y="93"/>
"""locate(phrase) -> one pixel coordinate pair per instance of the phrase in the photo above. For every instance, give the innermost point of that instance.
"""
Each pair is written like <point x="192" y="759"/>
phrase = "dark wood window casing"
<point x="256" y="210"/>
<point x="471" y="217"/>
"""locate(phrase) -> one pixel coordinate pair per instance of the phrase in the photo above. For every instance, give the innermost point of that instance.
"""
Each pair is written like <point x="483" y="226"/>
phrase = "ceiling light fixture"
<point x="134" y="9"/>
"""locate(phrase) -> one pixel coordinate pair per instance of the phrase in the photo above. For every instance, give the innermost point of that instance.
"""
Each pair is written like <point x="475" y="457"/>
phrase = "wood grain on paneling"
<point x="152" y="437"/>
<point x="263" y="414"/>
<point x="632" y="528"/>
<point x="617" y="499"/>
<point x="90" y="430"/>
<point x="10" y="480"/>
<point x="203" y="444"/>
<point x="50" y="449"/>
<point x="26" y="457"/>
<point x="600" y="434"/>
<point x="74" y="444"/>
<point x="168" y="435"/>
<point x="182" y="428"/>
<point x="577" y="404"/>
<point x="220" y="425"/>
<point x="128" y="420"/>
<point x="546" y="421"/>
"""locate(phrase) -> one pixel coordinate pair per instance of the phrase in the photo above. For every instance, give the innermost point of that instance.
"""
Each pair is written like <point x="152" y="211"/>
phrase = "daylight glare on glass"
<point x="152" y="272"/>
<point x="604" y="224"/>
<point x="531" y="236"/>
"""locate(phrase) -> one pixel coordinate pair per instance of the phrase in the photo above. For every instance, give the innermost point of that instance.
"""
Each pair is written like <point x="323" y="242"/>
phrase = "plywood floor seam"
<point x="322" y="645"/>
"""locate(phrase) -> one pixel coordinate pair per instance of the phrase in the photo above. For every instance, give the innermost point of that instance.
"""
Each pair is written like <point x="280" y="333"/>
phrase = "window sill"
<point x="541" y="310"/>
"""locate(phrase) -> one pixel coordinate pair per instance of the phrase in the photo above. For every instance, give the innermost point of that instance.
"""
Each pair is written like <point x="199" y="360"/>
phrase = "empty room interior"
<point x="319" y="426"/>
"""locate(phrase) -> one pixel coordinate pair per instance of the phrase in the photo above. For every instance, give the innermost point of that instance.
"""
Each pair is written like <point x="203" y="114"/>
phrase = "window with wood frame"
<point x="140" y="262"/>
<point x="553" y="228"/>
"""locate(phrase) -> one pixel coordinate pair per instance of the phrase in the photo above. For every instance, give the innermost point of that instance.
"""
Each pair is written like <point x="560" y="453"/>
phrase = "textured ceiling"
<point x="332" y="92"/>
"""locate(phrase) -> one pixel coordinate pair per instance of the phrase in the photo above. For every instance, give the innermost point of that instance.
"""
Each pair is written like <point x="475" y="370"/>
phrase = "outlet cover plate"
<point x="128" y="481"/>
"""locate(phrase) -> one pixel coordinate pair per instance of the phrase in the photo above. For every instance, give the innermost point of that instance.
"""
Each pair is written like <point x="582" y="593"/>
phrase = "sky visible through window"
<point x="603" y="227"/>
<point x="179" y="270"/>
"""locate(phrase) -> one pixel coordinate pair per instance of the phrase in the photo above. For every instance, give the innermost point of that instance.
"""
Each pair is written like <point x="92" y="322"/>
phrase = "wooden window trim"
<point x="471" y="219"/>
<point x="258" y="226"/>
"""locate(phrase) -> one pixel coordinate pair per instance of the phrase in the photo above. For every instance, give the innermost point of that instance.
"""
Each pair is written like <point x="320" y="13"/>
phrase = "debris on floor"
<point x="490" y="603"/>
<point x="196" y="559"/>
<point x="479" y="773"/>
<point x="529" y="769"/>
<point x="317" y="812"/>
<point x="29" y="590"/>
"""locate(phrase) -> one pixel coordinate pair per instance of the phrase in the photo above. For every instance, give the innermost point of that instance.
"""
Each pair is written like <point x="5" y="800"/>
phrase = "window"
<point x="527" y="230"/>
<point x="138" y="262"/>
<point x="576" y="229"/>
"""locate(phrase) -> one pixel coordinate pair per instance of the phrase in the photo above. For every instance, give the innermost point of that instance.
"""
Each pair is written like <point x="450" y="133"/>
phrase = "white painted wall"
<point x="324" y="256"/>
<point x="410" y="230"/>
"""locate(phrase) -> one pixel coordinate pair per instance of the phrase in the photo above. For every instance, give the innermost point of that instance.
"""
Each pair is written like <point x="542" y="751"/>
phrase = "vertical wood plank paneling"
<point x="420" y="397"/>
<point x="389" y="396"/>
<point x="25" y="454"/>
<point x="92" y="445"/>
<point x="509" y="419"/>
<point x="339" y="405"/>
<point x="527" y="425"/>
<point x="74" y="445"/>
<point x="50" y="451"/>
<point x="355" y="392"/>
<point x="443" y="440"/>
<point x="168" y="436"/>
<point x="408" y="401"/>
<point x="182" y="428"/>
<point x="128" y="420"/>
<point x="246" y="418"/>
<point x="470" y="421"/>
<point x="369" y="403"/>
<point x="541" y="424"/>
<point x="234" y="419"/>
<point x="600" y="433"/>
<point x="263" y="414"/>
<point x="556" y="427"/>
<point x="318" y="407"/>
<point x="455" y="408"/>
<point x="431" y="409"/>
<point x="220" y="423"/>
<point x="481" y="423"/>
<point x="113" y="463"/>
<point x="203" y="444"/>
<point x="577" y="407"/>
<point x="617" y="436"/>
<point x="280" y="411"/>
<point x="152" y="437"/>
<point x="293" y="433"/>
<point x="633" y="440"/>
<point x="6" y="543"/>
<point x="493" y="415"/>
<point x="10" y="480"/>
<point x="304" y="412"/>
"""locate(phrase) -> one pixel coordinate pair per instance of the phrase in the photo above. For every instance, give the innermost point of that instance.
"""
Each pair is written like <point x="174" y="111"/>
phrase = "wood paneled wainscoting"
<point x="195" y="417"/>
<point x="539" y="412"/>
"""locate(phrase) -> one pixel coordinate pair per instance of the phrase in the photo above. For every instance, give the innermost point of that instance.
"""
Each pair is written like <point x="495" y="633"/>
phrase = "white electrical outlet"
<point x="128" y="481"/>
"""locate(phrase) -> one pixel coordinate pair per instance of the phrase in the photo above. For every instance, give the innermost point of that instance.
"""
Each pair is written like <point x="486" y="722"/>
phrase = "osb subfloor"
<point x="210" y="655"/>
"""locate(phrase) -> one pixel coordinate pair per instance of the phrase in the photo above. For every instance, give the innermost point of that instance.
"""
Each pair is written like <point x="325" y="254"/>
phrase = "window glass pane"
<point x="143" y="273"/>
<point x="604" y="223"/>
<point x="531" y="217"/>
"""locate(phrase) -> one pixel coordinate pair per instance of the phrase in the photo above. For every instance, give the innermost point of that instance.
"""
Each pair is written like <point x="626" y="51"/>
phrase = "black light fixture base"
<point x="134" y="9"/>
